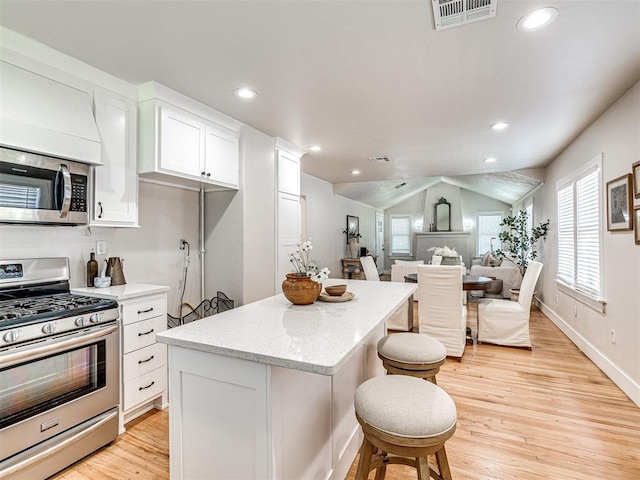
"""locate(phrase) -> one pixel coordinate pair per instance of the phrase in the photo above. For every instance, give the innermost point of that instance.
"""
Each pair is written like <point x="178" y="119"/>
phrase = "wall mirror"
<point x="443" y="215"/>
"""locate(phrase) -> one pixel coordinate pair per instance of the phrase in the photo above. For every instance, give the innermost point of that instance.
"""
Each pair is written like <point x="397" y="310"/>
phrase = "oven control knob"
<point x="49" y="328"/>
<point x="81" y="321"/>
<point x="95" y="318"/>
<point x="11" y="336"/>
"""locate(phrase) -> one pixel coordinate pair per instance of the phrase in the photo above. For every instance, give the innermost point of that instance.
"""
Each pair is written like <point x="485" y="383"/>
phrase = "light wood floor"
<point x="548" y="413"/>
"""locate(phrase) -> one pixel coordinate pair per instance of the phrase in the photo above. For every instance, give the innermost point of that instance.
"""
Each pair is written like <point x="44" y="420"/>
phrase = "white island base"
<point x="285" y="410"/>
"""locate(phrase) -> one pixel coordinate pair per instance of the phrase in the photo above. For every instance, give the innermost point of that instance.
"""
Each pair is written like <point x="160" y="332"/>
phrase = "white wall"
<point x="616" y="134"/>
<point x="240" y="226"/>
<point x="151" y="253"/>
<point x="472" y="203"/>
<point x="464" y="204"/>
<point x="326" y="218"/>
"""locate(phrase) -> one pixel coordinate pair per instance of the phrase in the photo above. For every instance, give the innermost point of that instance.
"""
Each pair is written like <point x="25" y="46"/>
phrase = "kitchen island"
<point x="265" y="391"/>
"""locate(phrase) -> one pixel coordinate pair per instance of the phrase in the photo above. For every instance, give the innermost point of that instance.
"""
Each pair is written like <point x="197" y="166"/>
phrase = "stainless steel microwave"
<point x="39" y="189"/>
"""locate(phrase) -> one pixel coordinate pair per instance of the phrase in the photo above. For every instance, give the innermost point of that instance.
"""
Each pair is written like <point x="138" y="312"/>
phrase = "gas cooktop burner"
<point x="48" y="305"/>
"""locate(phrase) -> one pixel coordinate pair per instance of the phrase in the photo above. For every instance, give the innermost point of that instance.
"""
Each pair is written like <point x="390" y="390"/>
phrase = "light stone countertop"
<point x="317" y="338"/>
<point x="122" y="292"/>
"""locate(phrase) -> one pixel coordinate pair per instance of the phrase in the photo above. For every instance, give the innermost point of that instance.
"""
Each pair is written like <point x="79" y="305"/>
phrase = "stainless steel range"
<point x="59" y="364"/>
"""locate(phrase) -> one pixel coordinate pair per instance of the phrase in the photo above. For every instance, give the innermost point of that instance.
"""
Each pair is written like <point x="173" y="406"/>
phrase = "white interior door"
<point x="380" y="240"/>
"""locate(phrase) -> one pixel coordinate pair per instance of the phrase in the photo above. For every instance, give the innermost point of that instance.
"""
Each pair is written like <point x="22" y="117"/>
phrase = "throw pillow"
<point x="485" y="259"/>
<point x="494" y="261"/>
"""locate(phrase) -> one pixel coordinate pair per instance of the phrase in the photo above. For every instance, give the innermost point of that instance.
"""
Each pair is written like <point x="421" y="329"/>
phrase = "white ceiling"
<point x="367" y="78"/>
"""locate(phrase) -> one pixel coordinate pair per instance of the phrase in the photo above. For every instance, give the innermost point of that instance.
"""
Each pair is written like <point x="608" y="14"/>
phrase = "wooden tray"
<point x="345" y="297"/>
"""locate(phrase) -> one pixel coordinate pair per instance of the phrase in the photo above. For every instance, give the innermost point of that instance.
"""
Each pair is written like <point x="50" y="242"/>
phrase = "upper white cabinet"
<point x="288" y="172"/>
<point x="115" y="193"/>
<point x="182" y="141"/>
<point x="221" y="155"/>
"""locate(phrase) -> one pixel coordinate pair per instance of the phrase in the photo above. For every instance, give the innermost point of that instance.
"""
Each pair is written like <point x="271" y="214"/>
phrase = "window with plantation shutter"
<point x="400" y="229"/>
<point x="566" y="244"/>
<point x="588" y="234"/>
<point x="579" y="231"/>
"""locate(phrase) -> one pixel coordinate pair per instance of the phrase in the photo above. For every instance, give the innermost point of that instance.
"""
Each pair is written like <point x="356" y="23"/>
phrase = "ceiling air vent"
<point x="452" y="13"/>
<point x="379" y="159"/>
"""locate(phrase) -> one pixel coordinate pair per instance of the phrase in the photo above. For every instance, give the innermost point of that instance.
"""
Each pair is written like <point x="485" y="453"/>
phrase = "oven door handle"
<point x="54" y="346"/>
<point x="58" y="447"/>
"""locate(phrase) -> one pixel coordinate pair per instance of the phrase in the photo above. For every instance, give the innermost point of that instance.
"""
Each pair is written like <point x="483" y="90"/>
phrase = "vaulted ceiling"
<point x="368" y="78"/>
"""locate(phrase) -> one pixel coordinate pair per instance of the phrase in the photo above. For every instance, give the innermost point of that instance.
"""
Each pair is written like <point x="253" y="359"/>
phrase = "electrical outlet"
<point x="557" y="299"/>
<point x="612" y="336"/>
<point x="575" y="310"/>
<point x="101" y="247"/>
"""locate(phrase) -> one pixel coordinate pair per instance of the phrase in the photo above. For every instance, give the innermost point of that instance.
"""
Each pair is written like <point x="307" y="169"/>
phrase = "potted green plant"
<point x="518" y="245"/>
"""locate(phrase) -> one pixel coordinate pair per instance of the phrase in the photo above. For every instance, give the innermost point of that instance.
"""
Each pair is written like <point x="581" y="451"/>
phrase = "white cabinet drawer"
<point x="143" y="361"/>
<point x="144" y="387"/>
<point x="143" y="309"/>
<point x="142" y="334"/>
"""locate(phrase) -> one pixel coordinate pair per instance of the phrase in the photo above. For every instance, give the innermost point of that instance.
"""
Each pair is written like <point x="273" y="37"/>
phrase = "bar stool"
<point x="413" y="354"/>
<point x="407" y="420"/>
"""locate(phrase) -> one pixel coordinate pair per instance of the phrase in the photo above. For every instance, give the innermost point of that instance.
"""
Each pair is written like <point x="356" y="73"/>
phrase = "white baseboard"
<point x="611" y="370"/>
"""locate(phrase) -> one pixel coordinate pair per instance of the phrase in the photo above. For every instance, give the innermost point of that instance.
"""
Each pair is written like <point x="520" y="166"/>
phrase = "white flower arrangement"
<point x="444" y="251"/>
<point x="303" y="266"/>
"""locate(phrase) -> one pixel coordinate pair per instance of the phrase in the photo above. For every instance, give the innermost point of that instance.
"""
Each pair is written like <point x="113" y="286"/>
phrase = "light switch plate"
<point x="101" y="247"/>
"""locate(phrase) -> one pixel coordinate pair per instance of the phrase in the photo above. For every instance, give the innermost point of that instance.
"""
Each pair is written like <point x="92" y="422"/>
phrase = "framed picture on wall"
<point x="353" y="227"/>
<point x="636" y="179"/>
<point x="636" y="228"/>
<point x="619" y="204"/>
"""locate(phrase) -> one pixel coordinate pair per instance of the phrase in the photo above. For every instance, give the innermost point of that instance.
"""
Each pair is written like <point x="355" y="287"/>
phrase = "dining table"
<point x="469" y="282"/>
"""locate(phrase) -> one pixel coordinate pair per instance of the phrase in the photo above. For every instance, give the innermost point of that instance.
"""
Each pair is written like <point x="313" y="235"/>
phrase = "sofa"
<point x="507" y="271"/>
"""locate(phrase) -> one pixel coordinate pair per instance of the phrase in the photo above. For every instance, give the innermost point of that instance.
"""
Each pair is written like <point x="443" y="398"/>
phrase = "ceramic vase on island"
<point x="301" y="290"/>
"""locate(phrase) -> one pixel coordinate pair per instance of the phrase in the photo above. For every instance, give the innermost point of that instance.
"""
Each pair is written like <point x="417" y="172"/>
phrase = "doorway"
<point x="380" y="241"/>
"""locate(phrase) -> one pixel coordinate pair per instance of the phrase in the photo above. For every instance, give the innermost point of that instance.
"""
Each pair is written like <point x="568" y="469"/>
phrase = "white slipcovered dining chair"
<point x="399" y="320"/>
<point x="505" y="322"/>
<point x="440" y="310"/>
<point x="370" y="269"/>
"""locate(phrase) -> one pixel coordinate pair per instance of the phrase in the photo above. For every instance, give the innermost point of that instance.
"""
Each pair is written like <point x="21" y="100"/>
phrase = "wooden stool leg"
<point x="364" y="465"/>
<point x="423" y="468"/>
<point x="443" y="464"/>
<point x="382" y="469"/>
<point x="433" y="380"/>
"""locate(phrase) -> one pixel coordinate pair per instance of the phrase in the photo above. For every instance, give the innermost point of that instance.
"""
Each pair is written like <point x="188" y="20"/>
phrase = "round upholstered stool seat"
<point x="407" y="418"/>
<point x="412" y="354"/>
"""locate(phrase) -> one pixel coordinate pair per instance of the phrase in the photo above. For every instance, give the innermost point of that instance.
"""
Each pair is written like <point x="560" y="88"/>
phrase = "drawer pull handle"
<point x="145" y="333"/>
<point x="145" y="311"/>
<point x="145" y="361"/>
<point x="148" y="386"/>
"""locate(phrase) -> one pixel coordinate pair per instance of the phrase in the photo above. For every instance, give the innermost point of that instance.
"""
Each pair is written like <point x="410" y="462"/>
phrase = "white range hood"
<point x="40" y="115"/>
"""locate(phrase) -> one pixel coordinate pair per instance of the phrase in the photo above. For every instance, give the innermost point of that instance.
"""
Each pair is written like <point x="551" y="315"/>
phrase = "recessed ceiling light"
<point x="537" y="19"/>
<point x="499" y="126"/>
<point x="355" y="172"/>
<point x="489" y="160"/>
<point x="315" y="148"/>
<point x="246" y="93"/>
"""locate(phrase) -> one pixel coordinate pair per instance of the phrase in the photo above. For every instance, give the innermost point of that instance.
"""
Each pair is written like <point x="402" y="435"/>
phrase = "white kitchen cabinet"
<point x="143" y="365"/>
<point x="288" y="214"/>
<point x="181" y="141"/>
<point x="288" y="172"/>
<point x="115" y="192"/>
<point x="221" y="155"/>
<point x="184" y="142"/>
